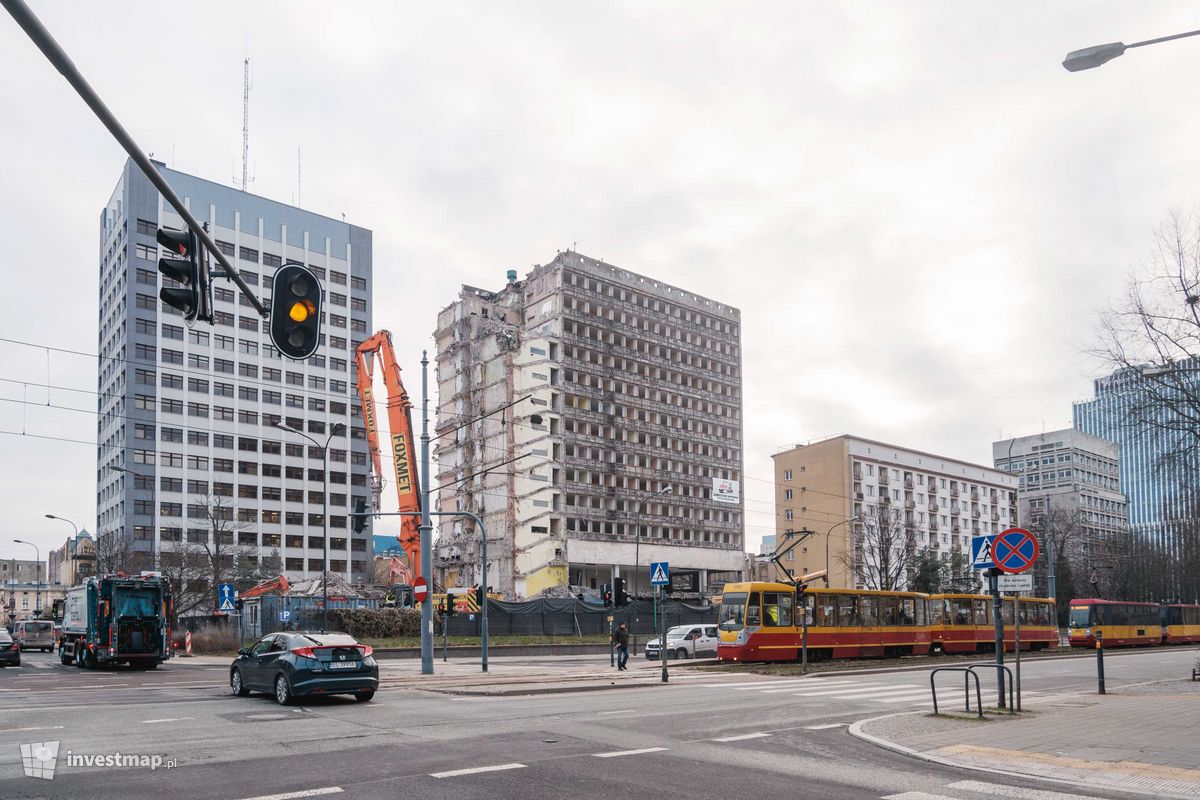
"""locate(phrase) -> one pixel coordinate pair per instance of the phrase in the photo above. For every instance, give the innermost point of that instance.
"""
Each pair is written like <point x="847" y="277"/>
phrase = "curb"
<point x="856" y="730"/>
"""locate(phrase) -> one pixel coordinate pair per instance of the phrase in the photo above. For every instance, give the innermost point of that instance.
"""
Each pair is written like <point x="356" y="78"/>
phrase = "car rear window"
<point x="41" y="627"/>
<point x="4" y="637"/>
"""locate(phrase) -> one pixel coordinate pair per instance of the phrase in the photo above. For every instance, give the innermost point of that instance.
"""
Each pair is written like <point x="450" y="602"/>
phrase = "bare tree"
<point x="1150" y="340"/>
<point x="884" y="549"/>
<point x="115" y="553"/>
<point x="183" y="568"/>
<point x="221" y="551"/>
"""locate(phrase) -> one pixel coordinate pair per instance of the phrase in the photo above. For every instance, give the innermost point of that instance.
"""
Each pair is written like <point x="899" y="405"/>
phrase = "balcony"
<point x="933" y="526"/>
<point x="933" y="504"/>
<point x="974" y="494"/>
<point x="932" y="487"/>
<point x="858" y="495"/>
<point x="954" y="491"/>
<point x="885" y="500"/>
<point x="956" y="528"/>
<point x="995" y="516"/>
<point x="975" y="513"/>
<point x="910" y="504"/>
<point x="908" y="483"/>
<point x="955" y="508"/>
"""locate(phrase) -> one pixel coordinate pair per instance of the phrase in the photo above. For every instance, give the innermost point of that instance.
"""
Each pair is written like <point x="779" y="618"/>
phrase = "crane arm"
<point x="399" y="407"/>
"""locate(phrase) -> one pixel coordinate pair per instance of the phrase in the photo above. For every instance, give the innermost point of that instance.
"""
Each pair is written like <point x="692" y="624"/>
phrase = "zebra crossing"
<point x="976" y="790"/>
<point x="913" y="691"/>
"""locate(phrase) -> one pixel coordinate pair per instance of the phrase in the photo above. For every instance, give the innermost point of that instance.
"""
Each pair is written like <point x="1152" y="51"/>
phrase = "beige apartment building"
<point x="939" y="503"/>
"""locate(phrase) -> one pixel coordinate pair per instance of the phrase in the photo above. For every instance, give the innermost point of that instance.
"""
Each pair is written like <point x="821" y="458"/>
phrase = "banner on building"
<point x="726" y="491"/>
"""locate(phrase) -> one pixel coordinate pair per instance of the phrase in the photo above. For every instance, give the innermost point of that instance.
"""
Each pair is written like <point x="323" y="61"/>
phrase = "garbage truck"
<point x="117" y="619"/>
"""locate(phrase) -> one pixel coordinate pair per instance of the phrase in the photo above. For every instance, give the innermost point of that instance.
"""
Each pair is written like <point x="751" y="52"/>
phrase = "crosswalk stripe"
<point x="791" y="687"/>
<point x="1016" y="792"/>
<point x="918" y="796"/>
<point x="843" y="691"/>
<point x="742" y="737"/>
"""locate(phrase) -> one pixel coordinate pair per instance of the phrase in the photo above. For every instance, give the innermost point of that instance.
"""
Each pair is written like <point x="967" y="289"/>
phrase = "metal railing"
<point x="1012" y="708"/>
<point x="968" y="673"/>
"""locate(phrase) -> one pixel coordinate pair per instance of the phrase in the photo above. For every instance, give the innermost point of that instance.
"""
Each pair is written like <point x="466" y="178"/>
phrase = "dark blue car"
<point x="293" y="664"/>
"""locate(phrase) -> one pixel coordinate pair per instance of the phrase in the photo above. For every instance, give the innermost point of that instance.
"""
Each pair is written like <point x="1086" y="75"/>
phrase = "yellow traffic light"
<point x="299" y="311"/>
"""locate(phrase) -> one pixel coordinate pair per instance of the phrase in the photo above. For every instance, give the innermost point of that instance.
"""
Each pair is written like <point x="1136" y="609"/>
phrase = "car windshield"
<point x="678" y="633"/>
<point x="136" y="602"/>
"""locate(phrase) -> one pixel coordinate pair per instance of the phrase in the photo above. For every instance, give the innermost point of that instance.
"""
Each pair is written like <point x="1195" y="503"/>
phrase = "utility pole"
<point x="426" y="528"/>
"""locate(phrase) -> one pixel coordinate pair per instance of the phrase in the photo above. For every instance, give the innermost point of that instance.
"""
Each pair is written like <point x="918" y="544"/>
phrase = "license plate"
<point x="343" y="665"/>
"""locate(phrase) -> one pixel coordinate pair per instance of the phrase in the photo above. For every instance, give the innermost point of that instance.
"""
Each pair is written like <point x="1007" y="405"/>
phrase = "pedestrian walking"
<point x="620" y="640"/>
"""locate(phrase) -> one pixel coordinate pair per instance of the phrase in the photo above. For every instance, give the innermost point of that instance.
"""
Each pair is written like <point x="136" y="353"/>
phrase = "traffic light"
<point x="360" y="511"/>
<point x="295" y="311"/>
<point x="479" y="596"/>
<point x="239" y="604"/>
<point x="620" y="598"/>
<point x="194" y="300"/>
<point x="449" y="610"/>
<point x="606" y="595"/>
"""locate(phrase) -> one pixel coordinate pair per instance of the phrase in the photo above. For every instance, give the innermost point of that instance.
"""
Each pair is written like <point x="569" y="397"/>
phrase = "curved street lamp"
<point x="855" y="518"/>
<point x="37" y="578"/>
<point x="64" y="519"/>
<point x="1098" y="55"/>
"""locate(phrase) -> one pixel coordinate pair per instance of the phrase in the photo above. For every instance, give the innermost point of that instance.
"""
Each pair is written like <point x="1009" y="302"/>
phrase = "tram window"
<point x="962" y="612"/>
<point x="777" y="609"/>
<point x="910" y="611"/>
<point x="753" y="612"/>
<point x="1080" y="617"/>
<point x="1024" y="609"/>
<point x="982" y="607"/>
<point x="1045" y="614"/>
<point x="733" y="611"/>
<point x="1006" y="609"/>
<point x="889" y="612"/>
<point x="848" y="610"/>
<point x="939" y="612"/>
<point x="869" y="611"/>
<point x="825" y="612"/>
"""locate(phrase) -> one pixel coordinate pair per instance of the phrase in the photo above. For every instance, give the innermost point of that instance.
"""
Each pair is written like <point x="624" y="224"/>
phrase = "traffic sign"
<point x="1015" y="550"/>
<point x="420" y="589"/>
<point x="981" y="551"/>
<point x="285" y="615"/>
<point x="660" y="573"/>
<point x="1016" y="583"/>
<point x="225" y="597"/>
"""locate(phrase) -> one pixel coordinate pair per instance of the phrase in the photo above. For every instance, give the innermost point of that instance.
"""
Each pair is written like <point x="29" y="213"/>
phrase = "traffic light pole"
<point x="61" y="61"/>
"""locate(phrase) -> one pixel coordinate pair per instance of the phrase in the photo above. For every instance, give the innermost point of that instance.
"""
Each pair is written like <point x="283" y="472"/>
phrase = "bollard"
<point x="1100" y="663"/>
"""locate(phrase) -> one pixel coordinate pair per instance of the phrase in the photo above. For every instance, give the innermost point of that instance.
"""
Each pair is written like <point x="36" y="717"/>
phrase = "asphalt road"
<point x="702" y="734"/>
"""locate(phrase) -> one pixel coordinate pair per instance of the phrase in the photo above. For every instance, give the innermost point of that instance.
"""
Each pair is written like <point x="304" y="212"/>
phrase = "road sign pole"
<point x="1100" y="662"/>
<point x="998" y="618"/>
<point x="1017" y="637"/>
<point x="663" y="625"/>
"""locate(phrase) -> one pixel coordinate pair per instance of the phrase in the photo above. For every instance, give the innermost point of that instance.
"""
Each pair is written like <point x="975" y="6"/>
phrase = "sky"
<point x="918" y="211"/>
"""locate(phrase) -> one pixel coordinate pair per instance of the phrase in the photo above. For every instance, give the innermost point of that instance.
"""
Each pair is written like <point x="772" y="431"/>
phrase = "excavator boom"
<point x="400" y="426"/>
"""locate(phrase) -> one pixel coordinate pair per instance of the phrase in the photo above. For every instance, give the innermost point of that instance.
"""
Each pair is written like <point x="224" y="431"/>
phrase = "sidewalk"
<point x="1139" y="740"/>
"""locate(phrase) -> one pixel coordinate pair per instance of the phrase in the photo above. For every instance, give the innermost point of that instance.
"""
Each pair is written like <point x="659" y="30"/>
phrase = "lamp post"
<point x="72" y="524"/>
<point x="835" y="525"/>
<point x="637" y="555"/>
<point x="336" y="430"/>
<point x="1098" y="55"/>
<point x="37" y="578"/>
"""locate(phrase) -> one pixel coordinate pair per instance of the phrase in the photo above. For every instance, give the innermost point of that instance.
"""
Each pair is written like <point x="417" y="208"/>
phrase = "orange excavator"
<point x="400" y="427"/>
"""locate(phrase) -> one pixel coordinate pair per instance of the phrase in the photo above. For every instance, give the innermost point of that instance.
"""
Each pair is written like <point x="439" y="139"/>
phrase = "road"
<point x="716" y="734"/>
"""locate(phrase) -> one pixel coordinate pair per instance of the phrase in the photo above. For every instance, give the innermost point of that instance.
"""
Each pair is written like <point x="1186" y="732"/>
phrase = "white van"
<point x="35" y="634"/>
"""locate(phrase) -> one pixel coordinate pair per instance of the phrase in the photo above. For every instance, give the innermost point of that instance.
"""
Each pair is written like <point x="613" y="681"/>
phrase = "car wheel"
<point x="283" y="692"/>
<point x="364" y="697"/>
<point x="681" y="653"/>
<point x="236" y="685"/>
<point x="81" y="660"/>
<point x="65" y="659"/>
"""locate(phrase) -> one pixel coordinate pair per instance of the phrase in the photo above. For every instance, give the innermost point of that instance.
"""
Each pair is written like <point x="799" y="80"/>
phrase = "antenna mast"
<point x="245" y="122"/>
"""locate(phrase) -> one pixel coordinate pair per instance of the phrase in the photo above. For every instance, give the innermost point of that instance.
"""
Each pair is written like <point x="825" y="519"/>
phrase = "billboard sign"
<point x="726" y="491"/>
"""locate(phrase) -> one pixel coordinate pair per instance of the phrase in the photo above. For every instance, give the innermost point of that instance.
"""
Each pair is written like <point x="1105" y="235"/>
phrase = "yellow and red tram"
<point x="1117" y="623"/>
<point x="1181" y="623"/>
<point x="963" y="623"/>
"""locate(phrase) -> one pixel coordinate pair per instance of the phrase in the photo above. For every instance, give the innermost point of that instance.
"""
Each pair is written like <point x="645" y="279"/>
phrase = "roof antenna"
<point x="245" y="123"/>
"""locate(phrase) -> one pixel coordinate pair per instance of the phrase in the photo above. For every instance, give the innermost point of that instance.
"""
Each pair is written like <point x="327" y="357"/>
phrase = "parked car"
<point x="35" y="634"/>
<point x="295" y="664"/>
<point x="685" y="641"/>
<point x="10" y="650"/>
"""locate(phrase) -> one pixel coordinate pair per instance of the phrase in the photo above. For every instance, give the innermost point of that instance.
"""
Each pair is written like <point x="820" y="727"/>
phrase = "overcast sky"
<point x="916" y="208"/>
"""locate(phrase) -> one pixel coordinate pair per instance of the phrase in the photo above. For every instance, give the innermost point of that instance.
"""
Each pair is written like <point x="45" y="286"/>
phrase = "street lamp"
<point x="1098" y="55"/>
<point x="835" y="525"/>
<point x="64" y="519"/>
<point x="37" y="578"/>
<point x="336" y="430"/>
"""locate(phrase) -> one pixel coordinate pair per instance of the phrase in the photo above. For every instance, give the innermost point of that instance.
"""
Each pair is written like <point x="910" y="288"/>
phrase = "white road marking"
<point x="622" y="711"/>
<point x="473" y="770"/>
<point x="43" y="728"/>
<point x="741" y="738"/>
<point x="854" y="690"/>
<point x="1016" y="792"/>
<point x="618" y="753"/>
<point x="166" y="719"/>
<point x="826" y="727"/>
<point x="793" y="685"/>
<point x="918" y="796"/>
<point x="302" y="793"/>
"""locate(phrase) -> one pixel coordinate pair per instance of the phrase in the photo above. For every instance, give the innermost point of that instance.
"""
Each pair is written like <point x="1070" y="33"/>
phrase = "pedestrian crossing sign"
<point x="981" y="552"/>
<point x="660" y="573"/>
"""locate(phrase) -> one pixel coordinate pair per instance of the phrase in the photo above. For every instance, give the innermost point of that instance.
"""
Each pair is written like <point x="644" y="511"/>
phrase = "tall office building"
<point x="1067" y="481"/>
<point x="938" y="503"/>
<point x="1159" y="461"/>
<point x="191" y="412"/>
<point x="576" y="407"/>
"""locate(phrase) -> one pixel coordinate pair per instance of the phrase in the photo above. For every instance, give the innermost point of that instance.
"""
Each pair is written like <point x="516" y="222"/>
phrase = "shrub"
<point x="210" y="640"/>
<point x="376" y="623"/>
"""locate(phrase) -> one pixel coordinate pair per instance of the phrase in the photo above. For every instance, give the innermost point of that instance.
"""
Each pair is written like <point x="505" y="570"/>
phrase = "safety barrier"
<point x="968" y="673"/>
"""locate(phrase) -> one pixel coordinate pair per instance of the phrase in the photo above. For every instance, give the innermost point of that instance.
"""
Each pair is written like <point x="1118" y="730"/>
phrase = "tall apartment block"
<point x="944" y="501"/>
<point x="191" y="412"/>
<point x="1159" y="467"/>
<point x="1068" y="480"/>
<point x="576" y="407"/>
